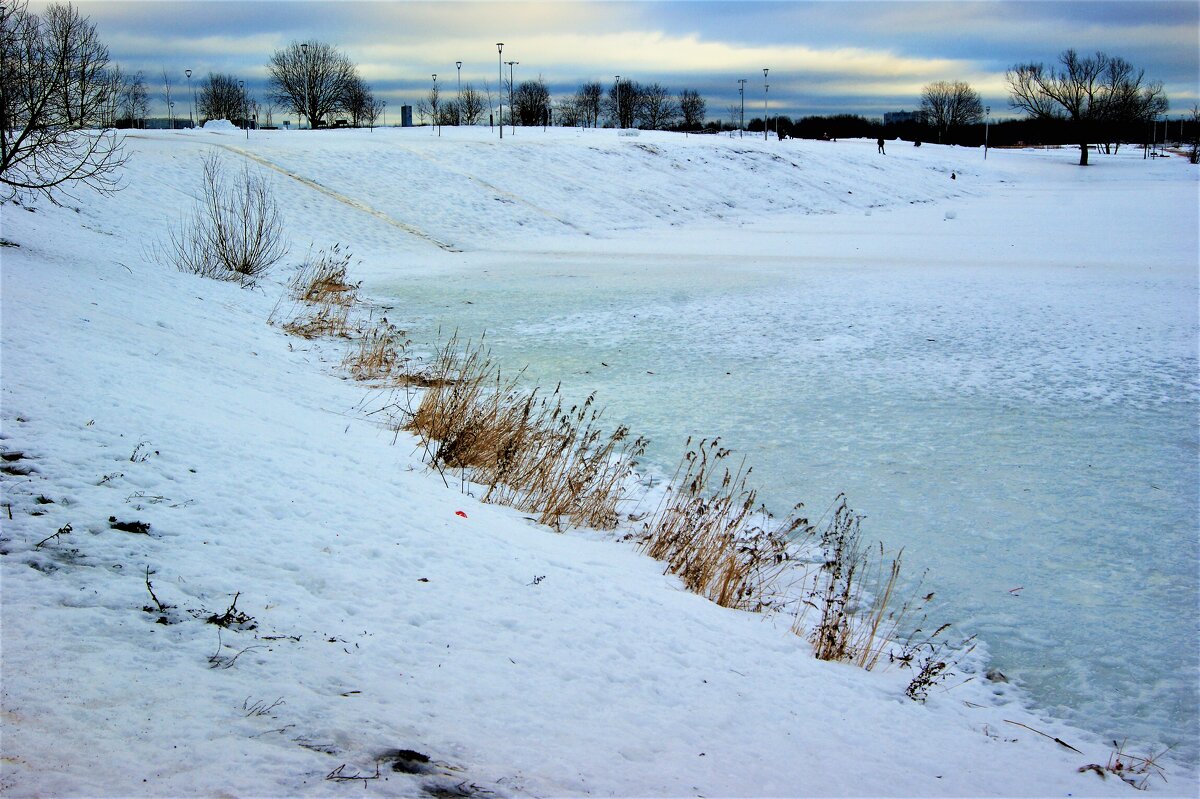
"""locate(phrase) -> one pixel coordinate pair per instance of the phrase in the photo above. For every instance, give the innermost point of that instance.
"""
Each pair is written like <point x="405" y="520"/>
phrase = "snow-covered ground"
<point x="520" y="661"/>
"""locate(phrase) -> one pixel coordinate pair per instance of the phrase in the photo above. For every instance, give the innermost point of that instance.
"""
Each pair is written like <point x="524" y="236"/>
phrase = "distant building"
<point x="406" y="116"/>
<point x="898" y="117"/>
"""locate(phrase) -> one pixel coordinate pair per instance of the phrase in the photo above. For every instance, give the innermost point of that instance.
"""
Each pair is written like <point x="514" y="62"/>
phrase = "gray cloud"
<point x="836" y="56"/>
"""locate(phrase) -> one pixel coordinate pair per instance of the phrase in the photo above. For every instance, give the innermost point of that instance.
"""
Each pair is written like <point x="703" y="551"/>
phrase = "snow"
<point x="219" y="126"/>
<point x="521" y="661"/>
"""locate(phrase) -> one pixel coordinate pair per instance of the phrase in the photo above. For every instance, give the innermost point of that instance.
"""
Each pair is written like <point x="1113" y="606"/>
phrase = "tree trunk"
<point x="1083" y="154"/>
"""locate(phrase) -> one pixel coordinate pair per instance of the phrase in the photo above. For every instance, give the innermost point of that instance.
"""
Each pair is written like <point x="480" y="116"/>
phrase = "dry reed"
<point x="542" y="456"/>
<point x="377" y="355"/>
<point x="531" y="453"/>
<point x="320" y="298"/>
<point x="702" y="531"/>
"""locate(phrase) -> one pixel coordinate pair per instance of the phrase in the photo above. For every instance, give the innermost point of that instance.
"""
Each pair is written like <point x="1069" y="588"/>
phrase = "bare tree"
<point x="433" y="104"/>
<point x="470" y="105"/>
<point x="372" y="112"/>
<point x="135" y="100"/>
<point x="1130" y="104"/>
<point x="567" y="113"/>
<point x="220" y="97"/>
<point x="947" y="105"/>
<point x="114" y="82"/>
<point x="166" y="76"/>
<point x="311" y="78"/>
<point x="83" y="58"/>
<point x="1086" y="92"/>
<point x="531" y="102"/>
<point x="588" y="100"/>
<point x="1194" y="154"/>
<point x="692" y="107"/>
<point x="487" y="90"/>
<point x="361" y="103"/>
<point x="658" y="108"/>
<point x="42" y="150"/>
<point x="623" y="103"/>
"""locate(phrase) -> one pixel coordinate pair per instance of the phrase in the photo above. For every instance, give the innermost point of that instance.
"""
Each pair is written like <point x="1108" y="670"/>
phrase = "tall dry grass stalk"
<point x="319" y="299"/>
<point x="543" y="456"/>
<point x="377" y="355"/>
<point x="854" y="593"/>
<point x="702" y="530"/>
<point x="533" y="453"/>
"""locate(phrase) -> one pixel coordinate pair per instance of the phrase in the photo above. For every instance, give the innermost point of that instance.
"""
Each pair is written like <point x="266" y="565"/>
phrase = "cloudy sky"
<point x="852" y="56"/>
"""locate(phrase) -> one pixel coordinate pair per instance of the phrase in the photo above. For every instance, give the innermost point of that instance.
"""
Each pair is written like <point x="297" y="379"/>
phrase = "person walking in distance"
<point x="880" y="143"/>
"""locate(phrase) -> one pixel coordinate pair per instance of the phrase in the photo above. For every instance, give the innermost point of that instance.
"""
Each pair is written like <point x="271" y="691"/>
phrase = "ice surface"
<point x="1012" y="399"/>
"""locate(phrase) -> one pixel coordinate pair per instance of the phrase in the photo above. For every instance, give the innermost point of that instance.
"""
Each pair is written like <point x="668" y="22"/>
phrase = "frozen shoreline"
<point x="601" y="678"/>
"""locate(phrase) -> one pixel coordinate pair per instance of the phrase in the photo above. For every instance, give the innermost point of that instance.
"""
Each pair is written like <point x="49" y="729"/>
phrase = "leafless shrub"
<point x="853" y="626"/>
<point x="234" y="233"/>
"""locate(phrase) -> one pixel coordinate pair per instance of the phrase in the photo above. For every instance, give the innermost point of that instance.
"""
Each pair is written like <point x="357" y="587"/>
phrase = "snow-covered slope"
<point x="383" y="611"/>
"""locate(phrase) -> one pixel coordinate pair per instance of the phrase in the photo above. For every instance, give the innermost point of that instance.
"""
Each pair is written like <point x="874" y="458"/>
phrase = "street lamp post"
<point x="511" y="116"/>
<point x="987" y="118"/>
<point x="618" y="79"/>
<point x="191" y="97"/>
<point x="436" y="115"/>
<point x="500" y="84"/>
<point x="245" y="109"/>
<point x="742" y="95"/>
<point x="304" y="73"/>
<point x="458" y="101"/>
<point x="171" y="114"/>
<point x="766" y="86"/>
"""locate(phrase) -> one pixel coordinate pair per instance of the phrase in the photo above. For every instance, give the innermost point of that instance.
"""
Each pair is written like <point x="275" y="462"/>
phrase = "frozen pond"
<point x="1018" y="411"/>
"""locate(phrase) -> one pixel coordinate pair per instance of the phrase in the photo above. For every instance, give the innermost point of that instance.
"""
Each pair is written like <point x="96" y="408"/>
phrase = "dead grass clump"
<point x="702" y="531"/>
<point x="543" y="456"/>
<point x="1131" y="769"/>
<point x="319" y="299"/>
<point x="377" y="354"/>
<point x="535" y="454"/>
<point x="466" y="409"/>
<point x="558" y="461"/>
<point x="853" y="626"/>
<point x="323" y="280"/>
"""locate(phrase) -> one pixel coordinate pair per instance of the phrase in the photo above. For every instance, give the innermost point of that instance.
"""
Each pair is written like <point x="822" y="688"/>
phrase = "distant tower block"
<point x="406" y="116"/>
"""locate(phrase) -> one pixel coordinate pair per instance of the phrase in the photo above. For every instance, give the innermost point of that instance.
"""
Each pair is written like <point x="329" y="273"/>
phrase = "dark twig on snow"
<point x="64" y="530"/>
<point x="337" y="776"/>
<point x="161" y="607"/>
<point x="1058" y="741"/>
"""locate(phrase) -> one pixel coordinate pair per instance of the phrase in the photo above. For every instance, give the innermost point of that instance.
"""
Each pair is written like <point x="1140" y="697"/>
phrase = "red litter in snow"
<point x="460" y="513"/>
